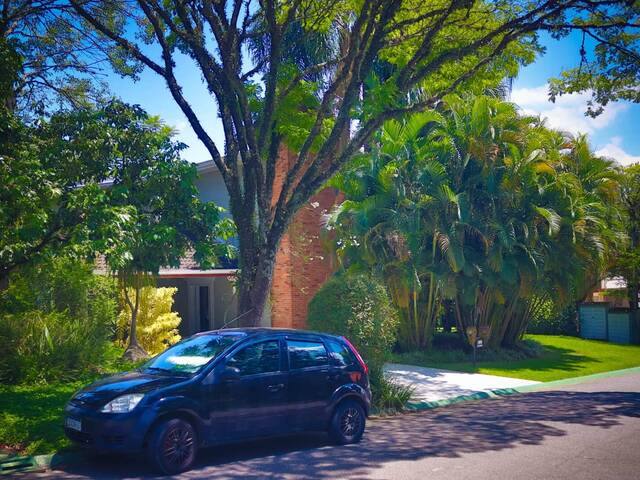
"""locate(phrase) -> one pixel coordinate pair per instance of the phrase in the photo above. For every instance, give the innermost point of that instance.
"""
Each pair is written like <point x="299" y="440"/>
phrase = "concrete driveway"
<point x="587" y="431"/>
<point x="436" y="385"/>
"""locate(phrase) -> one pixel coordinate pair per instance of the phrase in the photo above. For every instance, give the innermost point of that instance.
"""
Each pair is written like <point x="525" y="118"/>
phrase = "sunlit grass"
<point x="31" y="416"/>
<point x="560" y="357"/>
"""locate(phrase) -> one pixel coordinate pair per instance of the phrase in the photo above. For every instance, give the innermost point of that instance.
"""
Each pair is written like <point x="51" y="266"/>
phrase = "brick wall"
<point x="302" y="265"/>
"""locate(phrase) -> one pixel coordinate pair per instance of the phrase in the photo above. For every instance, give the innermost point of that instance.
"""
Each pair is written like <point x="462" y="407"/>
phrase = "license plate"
<point x="73" y="424"/>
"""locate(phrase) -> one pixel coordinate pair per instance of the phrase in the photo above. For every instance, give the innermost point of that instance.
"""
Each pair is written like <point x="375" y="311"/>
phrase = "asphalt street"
<point x="585" y="431"/>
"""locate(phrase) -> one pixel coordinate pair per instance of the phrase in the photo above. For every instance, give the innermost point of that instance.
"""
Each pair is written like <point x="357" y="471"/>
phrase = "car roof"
<point x="263" y="331"/>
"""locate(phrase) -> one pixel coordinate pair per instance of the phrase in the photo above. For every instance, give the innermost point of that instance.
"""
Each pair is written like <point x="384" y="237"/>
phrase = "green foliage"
<point x="56" y="322"/>
<point x="358" y="307"/>
<point x="157" y="325"/>
<point x="149" y="176"/>
<point x="389" y="396"/>
<point x="480" y="206"/>
<point x="447" y="352"/>
<point x="42" y="347"/>
<point x="31" y="414"/>
<point x="53" y="200"/>
<point x="59" y="61"/>
<point x="627" y="261"/>
<point x="553" y="321"/>
<point x="313" y="68"/>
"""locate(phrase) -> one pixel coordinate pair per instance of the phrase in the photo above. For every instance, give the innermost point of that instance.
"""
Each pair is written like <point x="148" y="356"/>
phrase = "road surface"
<point x="586" y="431"/>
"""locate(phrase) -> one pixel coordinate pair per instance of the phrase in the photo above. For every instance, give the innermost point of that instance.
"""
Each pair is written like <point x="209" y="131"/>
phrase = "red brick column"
<point x="302" y="265"/>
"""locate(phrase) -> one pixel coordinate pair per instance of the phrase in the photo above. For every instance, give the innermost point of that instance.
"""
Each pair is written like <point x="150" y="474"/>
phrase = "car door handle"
<point x="276" y="387"/>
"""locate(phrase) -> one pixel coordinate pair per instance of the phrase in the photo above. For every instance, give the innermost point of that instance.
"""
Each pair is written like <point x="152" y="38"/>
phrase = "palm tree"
<point x="478" y="205"/>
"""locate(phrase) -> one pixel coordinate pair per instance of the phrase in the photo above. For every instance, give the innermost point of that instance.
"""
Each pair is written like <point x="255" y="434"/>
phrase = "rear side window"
<point x="340" y="354"/>
<point x="303" y="354"/>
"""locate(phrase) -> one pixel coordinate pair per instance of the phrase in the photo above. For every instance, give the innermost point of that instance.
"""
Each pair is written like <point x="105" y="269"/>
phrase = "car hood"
<point x="103" y="391"/>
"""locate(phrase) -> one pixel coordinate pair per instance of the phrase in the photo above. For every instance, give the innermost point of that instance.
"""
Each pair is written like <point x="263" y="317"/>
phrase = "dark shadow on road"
<point x="446" y="432"/>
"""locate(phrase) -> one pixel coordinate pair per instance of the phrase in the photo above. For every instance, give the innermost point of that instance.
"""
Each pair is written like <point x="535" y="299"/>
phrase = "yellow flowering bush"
<point x="157" y="326"/>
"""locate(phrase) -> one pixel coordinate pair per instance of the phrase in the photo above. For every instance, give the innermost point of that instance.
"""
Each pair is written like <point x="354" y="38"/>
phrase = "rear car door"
<point x="255" y="403"/>
<point x="309" y="390"/>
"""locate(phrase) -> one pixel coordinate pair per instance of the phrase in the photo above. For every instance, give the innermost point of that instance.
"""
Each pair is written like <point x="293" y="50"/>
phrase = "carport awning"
<point x="189" y="272"/>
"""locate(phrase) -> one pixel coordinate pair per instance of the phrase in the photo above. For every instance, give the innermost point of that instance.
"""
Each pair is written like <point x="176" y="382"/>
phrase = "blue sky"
<point x="613" y="134"/>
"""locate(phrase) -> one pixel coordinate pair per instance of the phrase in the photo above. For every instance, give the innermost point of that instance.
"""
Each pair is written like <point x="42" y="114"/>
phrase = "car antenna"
<point x="235" y="318"/>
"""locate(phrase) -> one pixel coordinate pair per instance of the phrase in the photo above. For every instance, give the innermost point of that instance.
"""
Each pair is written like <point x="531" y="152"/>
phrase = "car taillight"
<point x="358" y="357"/>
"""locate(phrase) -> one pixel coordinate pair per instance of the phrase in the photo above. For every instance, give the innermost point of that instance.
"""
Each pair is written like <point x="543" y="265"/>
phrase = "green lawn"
<point x="560" y="357"/>
<point x="31" y="415"/>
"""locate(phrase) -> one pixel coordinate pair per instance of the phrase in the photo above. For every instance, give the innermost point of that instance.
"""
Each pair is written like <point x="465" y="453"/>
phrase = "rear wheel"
<point x="348" y="423"/>
<point x="173" y="446"/>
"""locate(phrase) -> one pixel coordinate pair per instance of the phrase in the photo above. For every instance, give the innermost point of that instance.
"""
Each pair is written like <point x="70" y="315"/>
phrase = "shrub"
<point x="358" y="307"/>
<point x="48" y="346"/>
<point x="389" y="396"/>
<point x="157" y="326"/>
<point x="63" y="285"/>
<point x="551" y="321"/>
<point x="55" y="321"/>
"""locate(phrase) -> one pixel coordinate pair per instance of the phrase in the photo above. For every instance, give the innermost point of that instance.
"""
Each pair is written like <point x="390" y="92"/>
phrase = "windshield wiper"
<point x="160" y="369"/>
<point x="168" y="370"/>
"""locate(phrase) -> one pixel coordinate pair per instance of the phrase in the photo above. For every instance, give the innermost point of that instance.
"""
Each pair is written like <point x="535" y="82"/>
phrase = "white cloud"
<point x="614" y="150"/>
<point x="567" y="113"/>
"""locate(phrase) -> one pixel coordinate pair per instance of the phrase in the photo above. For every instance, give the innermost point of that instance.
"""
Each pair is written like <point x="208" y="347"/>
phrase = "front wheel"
<point x="173" y="446"/>
<point x="348" y="423"/>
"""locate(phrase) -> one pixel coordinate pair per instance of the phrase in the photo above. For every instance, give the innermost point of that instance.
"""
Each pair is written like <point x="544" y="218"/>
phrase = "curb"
<point x="39" y="463"/>
<point x="503" y="392"/>
<point x="420" y="406"/>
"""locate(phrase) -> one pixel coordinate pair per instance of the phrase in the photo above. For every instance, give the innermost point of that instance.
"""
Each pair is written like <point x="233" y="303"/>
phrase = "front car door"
<point x="308" y="382"/>
<point x="255" y="402"/>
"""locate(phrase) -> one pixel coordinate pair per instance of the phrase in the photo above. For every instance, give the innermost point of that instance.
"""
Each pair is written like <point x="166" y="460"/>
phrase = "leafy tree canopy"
<point x="481" y="207"/>
<point x="107" y="180"/>
<point x="60" y="60"/>
<point x="316" y="65"/>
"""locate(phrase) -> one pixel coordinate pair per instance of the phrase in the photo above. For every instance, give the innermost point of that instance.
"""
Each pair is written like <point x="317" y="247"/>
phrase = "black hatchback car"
<point x="225" y="386"/>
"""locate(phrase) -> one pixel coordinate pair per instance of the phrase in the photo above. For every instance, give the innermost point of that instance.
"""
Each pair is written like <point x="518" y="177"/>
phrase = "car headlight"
<point x="123" y="404"/>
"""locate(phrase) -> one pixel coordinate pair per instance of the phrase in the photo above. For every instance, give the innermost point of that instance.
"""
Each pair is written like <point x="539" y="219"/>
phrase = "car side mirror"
<point x="230" y="374"/>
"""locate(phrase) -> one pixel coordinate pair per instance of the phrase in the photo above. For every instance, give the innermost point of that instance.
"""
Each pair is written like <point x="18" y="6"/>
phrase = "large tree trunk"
<point x="254" y="286"/>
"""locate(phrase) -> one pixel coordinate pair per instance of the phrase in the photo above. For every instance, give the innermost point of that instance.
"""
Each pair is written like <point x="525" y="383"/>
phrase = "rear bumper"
<point x="109" y="433"/>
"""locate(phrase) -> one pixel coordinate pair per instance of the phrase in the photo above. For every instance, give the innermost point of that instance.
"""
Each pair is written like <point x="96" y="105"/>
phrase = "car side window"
<point x="263" y="357"/>
<point x="303" y="354"/>
<point x="340" y="354"/>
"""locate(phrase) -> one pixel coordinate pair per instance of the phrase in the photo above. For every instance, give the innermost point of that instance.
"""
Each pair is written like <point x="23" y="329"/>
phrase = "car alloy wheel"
<point x="350" y="422"/>
<point x="178" y="446"/>
<point x="172" y="446"/>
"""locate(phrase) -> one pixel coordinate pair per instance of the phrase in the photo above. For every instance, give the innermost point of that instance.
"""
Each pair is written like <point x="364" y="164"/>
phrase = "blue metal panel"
<point x="593" y="321"/>
<point x="619" y="325"/>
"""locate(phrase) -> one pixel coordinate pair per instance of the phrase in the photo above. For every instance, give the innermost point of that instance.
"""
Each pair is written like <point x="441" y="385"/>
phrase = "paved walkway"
<point x="432" y="384"/>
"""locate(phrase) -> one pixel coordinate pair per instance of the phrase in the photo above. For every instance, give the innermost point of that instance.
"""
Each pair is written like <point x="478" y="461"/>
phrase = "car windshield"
<point x="188" y="356"/>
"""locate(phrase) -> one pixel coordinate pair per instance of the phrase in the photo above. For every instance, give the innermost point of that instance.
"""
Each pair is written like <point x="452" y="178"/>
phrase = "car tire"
<point x="172" y="446"/>
<point x="347" y="423"/>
